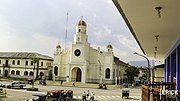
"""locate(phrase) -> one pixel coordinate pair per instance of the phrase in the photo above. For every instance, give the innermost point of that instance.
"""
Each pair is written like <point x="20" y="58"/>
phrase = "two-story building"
<point x="25" y="65"/>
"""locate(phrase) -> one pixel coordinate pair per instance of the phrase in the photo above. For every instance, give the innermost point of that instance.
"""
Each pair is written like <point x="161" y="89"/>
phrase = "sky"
<point x="39" y="25"/>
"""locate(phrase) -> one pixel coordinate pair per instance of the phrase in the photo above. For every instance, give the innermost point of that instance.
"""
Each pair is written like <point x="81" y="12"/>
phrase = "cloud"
<point x="38" y="25"/>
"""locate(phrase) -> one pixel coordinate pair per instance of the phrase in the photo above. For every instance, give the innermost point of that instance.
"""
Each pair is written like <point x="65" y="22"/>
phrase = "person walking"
<point x="84" y="96"/>
<point x="92" y="96"/>
<point x="88" y="94"/>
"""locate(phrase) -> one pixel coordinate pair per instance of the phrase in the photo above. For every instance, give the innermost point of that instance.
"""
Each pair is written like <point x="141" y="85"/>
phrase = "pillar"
<point x="171" y="68"/>
<point x="178" y="68"/>
<point x="165" y="71"/>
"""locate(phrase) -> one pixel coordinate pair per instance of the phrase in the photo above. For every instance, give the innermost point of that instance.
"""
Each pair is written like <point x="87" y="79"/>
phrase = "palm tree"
<point x="35" y="62"/>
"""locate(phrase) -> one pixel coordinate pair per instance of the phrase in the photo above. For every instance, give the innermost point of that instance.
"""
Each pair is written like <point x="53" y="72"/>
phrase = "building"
<point x="25" y="65"/>
<point x="159" y="73"/>
<point x="155" y="26"/>
<point x="82" y="63"/>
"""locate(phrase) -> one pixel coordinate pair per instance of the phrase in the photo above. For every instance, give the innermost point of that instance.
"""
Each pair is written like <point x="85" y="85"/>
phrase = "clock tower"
<point x="80" y="46"/>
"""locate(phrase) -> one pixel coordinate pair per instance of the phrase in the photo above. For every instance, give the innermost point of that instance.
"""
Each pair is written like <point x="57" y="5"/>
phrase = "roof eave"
<point x="118" y="6"/>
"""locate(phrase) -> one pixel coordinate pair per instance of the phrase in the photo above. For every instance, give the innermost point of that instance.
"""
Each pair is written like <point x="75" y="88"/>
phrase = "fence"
<point x="153" y="91"/>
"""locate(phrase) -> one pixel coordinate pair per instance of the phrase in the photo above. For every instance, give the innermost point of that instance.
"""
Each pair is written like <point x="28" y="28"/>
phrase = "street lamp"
<point x="147" y="64"/>
<point x="100" y="75"/>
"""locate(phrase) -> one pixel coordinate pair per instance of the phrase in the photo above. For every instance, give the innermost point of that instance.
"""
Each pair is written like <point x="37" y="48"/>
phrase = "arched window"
<point x="12" y="72"/>
<point x="41" y="63"/>
<point x="31" y="73"/>
<point x="26" y="73"/>
<point x="18" y="62"/>
<point x="56" y="70"/>
<point x="107" y="73"/>
<point x="26" y="62"/>
<point x="0" y="71"/>
<point x="13" y="62"/>
<point x="17" y="72"/>
<point x="31" y="63"/>
<point x="41" y="74"/>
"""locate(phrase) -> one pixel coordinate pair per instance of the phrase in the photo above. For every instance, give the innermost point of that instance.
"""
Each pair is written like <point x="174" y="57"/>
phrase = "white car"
<point x="16" y="84"/>
<point x="2" y="85"/>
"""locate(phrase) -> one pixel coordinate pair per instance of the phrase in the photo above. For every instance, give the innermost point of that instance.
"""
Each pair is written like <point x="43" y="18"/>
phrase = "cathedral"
<point x="82" y="63"/>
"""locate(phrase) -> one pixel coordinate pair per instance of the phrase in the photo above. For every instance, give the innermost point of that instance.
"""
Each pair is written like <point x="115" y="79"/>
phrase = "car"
<point x="2" y="85"/>
<point x="16" y="84"/>
<point x="60" y="95"/>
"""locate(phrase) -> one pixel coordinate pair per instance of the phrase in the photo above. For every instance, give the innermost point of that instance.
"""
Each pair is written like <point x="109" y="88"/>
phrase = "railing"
<point x="145" y="93"/>
<point x="153" y="92"/>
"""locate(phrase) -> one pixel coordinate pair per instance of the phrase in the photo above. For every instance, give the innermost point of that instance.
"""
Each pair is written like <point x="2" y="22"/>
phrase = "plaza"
<point x="113" y="92"/>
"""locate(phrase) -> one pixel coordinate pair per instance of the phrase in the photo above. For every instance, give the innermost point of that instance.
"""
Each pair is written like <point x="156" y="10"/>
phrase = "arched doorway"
<point x="50" y="75"/>
<point x="78" y="75"/>
<point x="56" y="70"/>
<point x="6" y="73"/>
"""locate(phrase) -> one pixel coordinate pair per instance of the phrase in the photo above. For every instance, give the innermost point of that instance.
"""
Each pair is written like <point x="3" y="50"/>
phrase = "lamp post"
<point x="100" y="75"/>
<point x="147" y="64"/>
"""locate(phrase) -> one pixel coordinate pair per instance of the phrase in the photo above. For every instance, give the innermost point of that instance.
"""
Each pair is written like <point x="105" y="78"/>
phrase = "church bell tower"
<point x="81" y="36"/>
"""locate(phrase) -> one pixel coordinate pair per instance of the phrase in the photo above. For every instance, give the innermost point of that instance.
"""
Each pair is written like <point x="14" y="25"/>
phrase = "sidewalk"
<point x="82" y="85"/>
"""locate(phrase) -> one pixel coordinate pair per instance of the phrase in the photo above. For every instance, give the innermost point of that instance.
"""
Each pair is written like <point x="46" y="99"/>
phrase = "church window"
<point x="0" y="61"/>
<point x="26" y="62"/>
<point x="17" y="72"/>
<point x="31" y="73"/>
<point x="79" y="30"/>
<point x="56" y="70"/>
<point x="12" y="72"/>
<point x="26" y="73"/>
<point x="13" y="62"/>
<point x="18" y="62"/>
<point x="107" y="73"/>
<point x="0" y="71"/>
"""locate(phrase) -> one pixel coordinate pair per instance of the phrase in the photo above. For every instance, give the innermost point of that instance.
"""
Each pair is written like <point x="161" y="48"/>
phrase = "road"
<point x="100" y="94"/>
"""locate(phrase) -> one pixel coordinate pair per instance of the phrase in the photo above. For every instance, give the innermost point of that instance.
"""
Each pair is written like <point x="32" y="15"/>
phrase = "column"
<point x="171" y="68"/>
<point x="165" y="71"/>
<point x="178" y="68"/>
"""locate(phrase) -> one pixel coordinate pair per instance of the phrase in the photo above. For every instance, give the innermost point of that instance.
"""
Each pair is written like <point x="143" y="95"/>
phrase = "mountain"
<point x="141" y="63"/>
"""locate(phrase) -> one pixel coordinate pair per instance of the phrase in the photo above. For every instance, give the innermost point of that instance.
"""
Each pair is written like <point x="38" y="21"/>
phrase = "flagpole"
<point x="66" y="30"/>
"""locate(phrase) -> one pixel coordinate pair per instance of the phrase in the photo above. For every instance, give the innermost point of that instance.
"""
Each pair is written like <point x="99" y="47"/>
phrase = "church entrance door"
<point x="78" y="76"/>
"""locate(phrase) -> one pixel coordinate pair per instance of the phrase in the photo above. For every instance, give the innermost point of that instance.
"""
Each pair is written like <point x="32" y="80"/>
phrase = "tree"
<point x="132" y="72"/>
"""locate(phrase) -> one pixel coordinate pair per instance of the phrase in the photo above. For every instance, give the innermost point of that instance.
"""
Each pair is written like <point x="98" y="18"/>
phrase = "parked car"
<point x="16" y="84"/>
<point x="60" y="95"/>
<point x="2" y="85"/>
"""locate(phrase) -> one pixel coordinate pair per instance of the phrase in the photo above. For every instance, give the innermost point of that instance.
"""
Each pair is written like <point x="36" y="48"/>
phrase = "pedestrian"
<point x="84" y="96"/>
<point x="92" y="96"/>
<point x="88" y="94"/>
<point x="61" y="82"/>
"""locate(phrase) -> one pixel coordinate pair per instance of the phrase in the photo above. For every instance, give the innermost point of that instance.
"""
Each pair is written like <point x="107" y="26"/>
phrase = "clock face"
<point x="77" y="52"/>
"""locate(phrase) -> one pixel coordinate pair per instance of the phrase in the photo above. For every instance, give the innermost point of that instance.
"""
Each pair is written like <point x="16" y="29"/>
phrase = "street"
<point x="100" y="94"/>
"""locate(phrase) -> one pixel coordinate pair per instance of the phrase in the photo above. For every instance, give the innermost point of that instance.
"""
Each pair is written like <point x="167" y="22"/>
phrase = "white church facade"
<point x="82" y="63"/>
